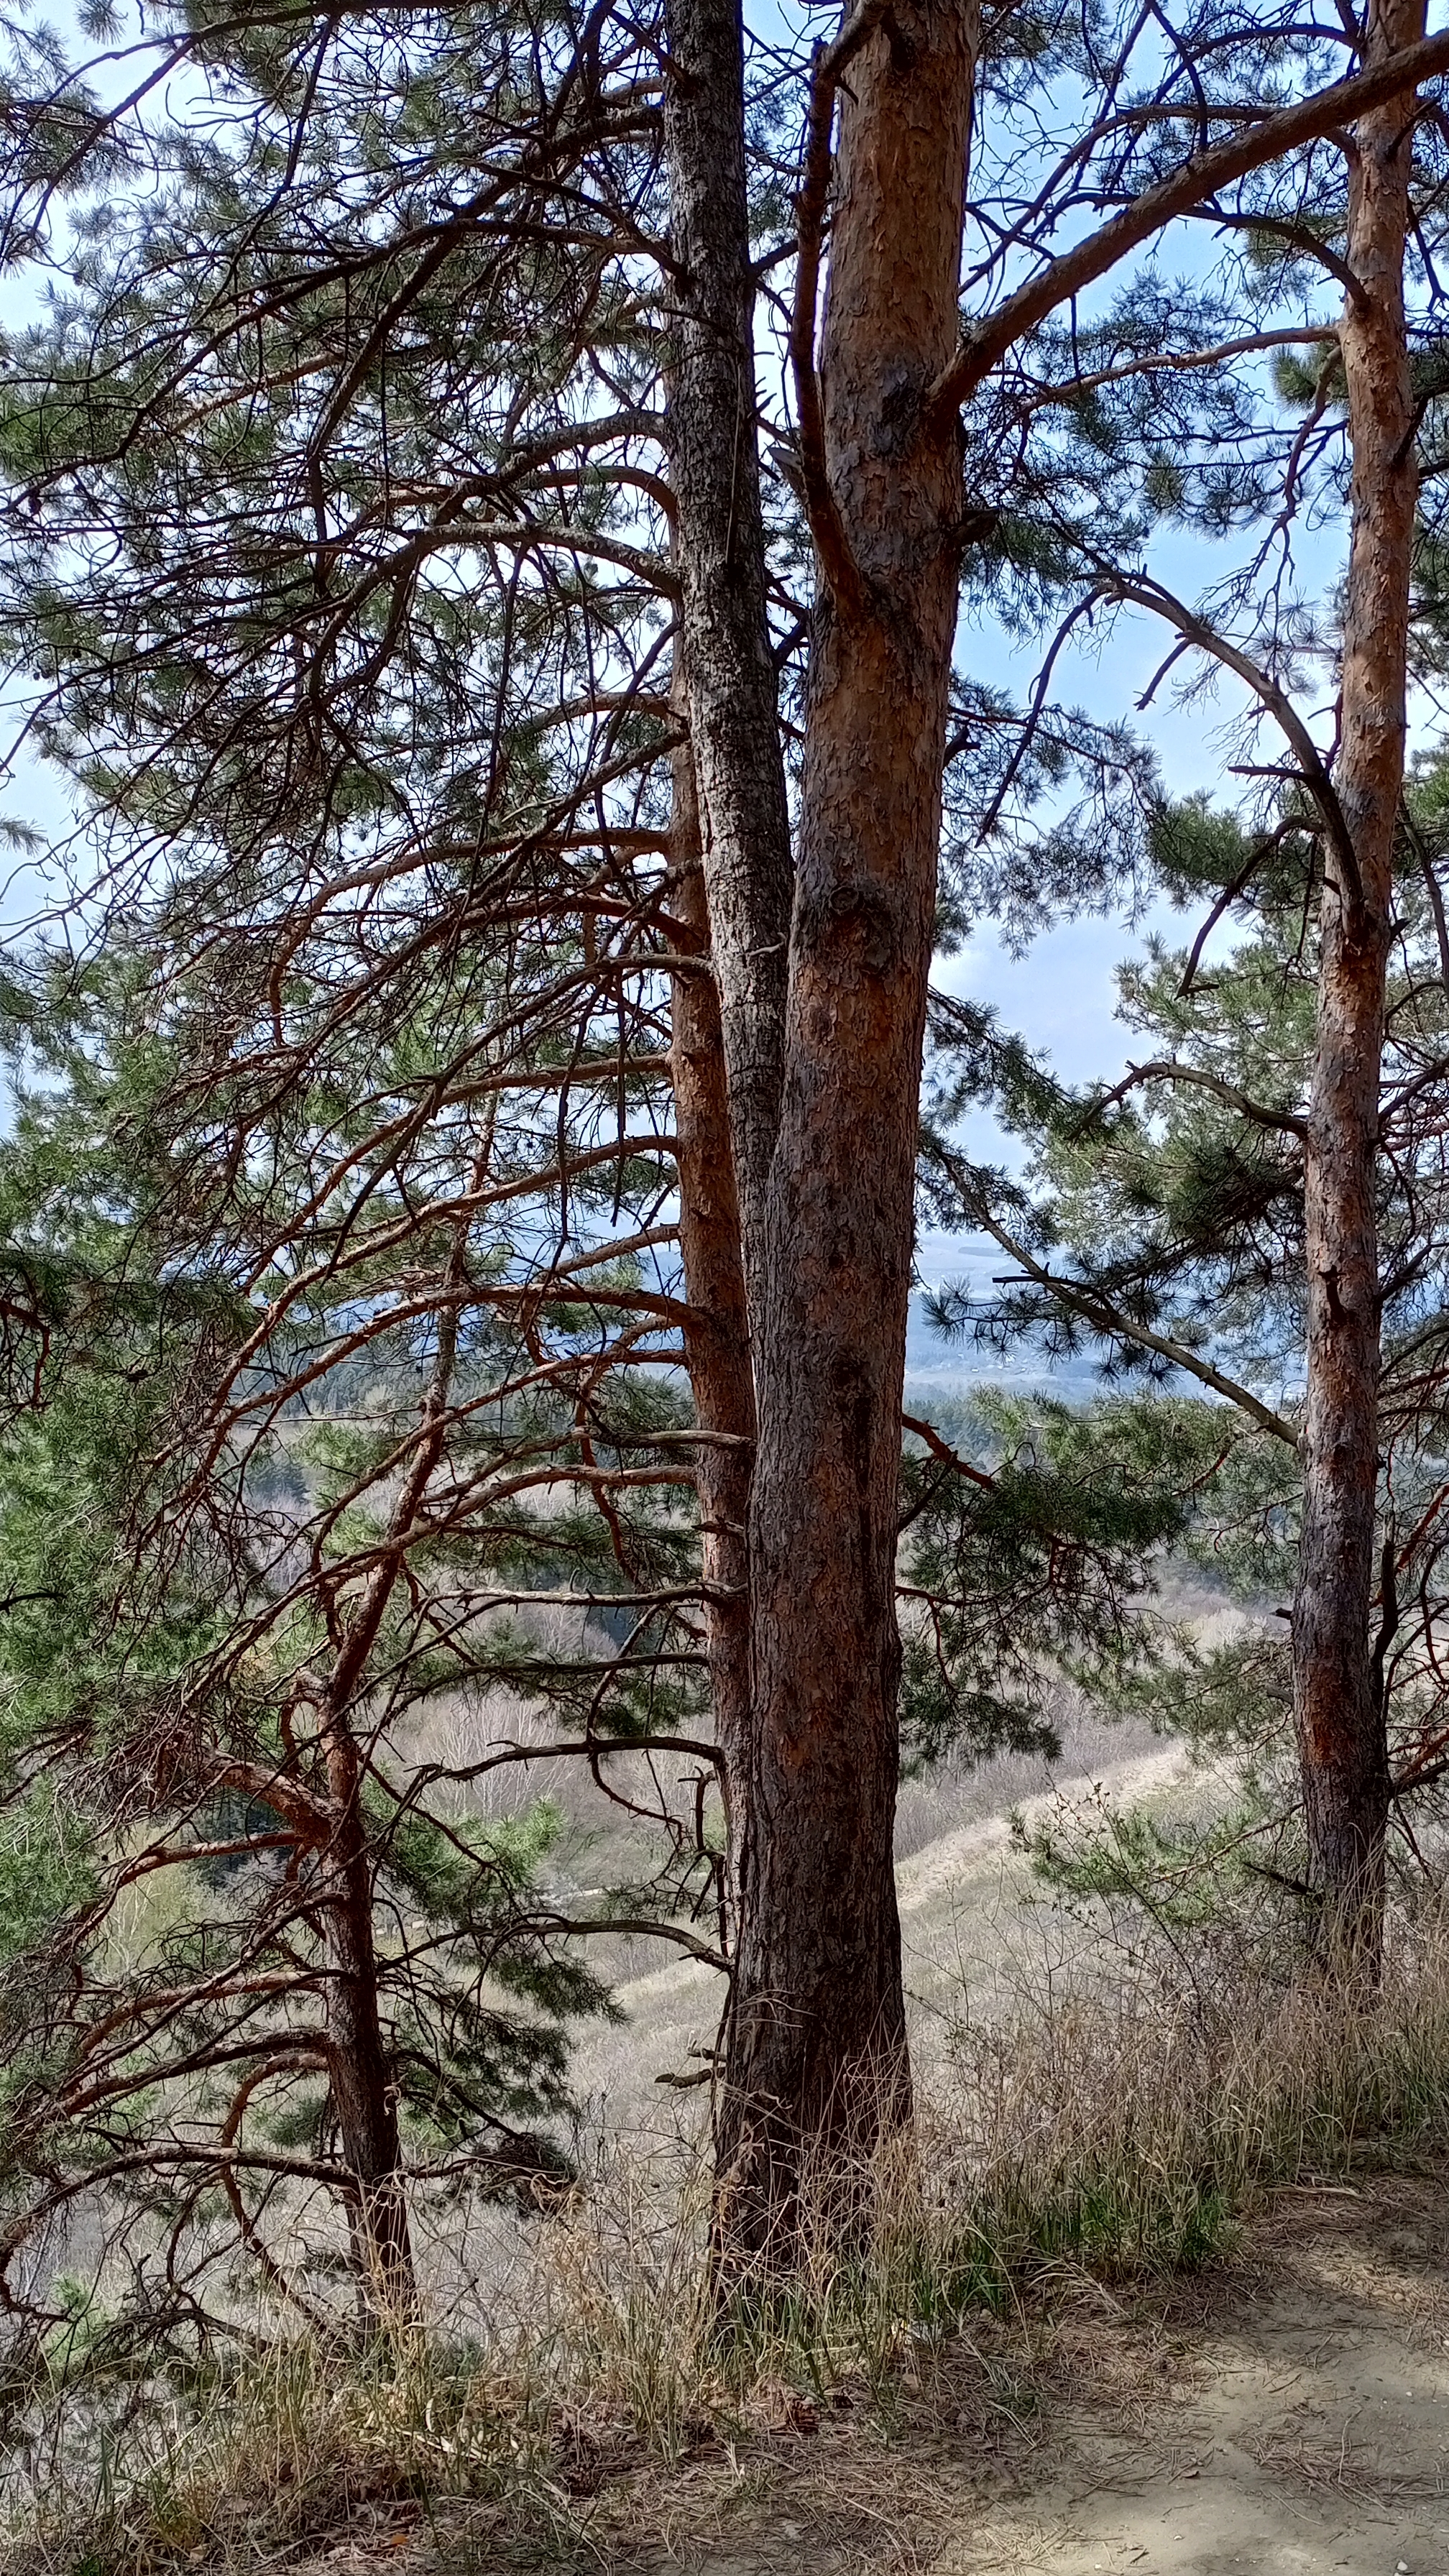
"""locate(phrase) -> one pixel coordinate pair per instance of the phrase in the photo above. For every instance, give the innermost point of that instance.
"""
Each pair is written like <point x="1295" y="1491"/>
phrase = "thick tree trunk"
<point x="716" y="1335"/>
<point x="727" y="663"/>
<point x="1340" y="1720"/>
<point x="816" y="2059"/>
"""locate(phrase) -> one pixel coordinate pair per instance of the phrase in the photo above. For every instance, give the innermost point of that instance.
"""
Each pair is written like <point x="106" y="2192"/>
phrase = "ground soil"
<point x="1303" y="2424"/>
<point x="1285" y="2412"/>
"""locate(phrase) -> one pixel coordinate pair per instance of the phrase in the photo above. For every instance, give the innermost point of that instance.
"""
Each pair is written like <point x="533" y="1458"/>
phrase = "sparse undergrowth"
<point x="1111" y="2124"/>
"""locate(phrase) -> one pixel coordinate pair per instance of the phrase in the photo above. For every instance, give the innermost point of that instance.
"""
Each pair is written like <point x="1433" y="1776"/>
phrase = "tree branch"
<point x="837" y="563"/>
<point x="1177" y="361"/>
<point x="1301" y="239"/>
<point x="948" y="1456"/>
<point x="1270" y="140"/>
<point x="1107" y="1318"/>
<point x="1146" y="593"/>
<point x="1166" y="1071"/>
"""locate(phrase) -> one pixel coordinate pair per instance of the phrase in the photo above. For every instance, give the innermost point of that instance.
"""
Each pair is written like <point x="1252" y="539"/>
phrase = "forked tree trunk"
<point x="1338" y="1711"/>
<point x="816" y="2046"/>
<point x="816" y="2050"/>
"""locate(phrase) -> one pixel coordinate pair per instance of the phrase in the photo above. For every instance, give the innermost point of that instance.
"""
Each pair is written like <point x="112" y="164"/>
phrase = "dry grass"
<point x="1124" y="2116"/>
<point x="1111" y="2124"/>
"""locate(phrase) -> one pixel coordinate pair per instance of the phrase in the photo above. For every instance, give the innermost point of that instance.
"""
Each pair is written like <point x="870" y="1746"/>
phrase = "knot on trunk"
<point x="871" y="916"/>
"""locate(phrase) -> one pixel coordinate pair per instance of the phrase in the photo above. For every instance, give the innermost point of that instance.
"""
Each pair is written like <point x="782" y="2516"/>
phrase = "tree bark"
<point x="359" y="2074"/>
<point x="716" y="1332"/>
<point x="816" y="2043"/>
<point x="725" y="650"/>
<point x="1338" y="1707"/>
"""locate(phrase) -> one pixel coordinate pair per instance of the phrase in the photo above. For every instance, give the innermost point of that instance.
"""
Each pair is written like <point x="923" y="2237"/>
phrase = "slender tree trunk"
<point x="357" y="2062"/>
<point x="716" y="1335"/>
<point x="726" y="659"/>
<point x="362" y="2081"/>
<point x="816" y="2035"/>
<point x="1339" y="1716"/>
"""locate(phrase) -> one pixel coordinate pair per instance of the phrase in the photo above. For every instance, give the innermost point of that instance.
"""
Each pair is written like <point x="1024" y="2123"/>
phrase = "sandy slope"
<point x="964" y="1902"/>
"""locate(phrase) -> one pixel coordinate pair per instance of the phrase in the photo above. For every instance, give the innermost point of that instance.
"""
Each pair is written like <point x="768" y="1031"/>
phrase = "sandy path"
<point x="1309" y="2431"/>
<point x="1285" y="2413"/>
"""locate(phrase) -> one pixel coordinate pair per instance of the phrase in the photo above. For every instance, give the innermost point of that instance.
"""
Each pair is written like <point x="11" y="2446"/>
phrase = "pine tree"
<point x="1161" y="1225"/>
<point x="392" y="983"/>
<point x="264" y="1494"/>
<point x="816" y="2044"/>
<point x="1333" y="837"/>
<point x="393" y="356"/>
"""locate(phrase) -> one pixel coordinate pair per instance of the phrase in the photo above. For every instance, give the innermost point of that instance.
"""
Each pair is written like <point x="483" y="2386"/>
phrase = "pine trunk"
<point x="716" y="1333"/>
<point x="363" y="2097"/>
<point x="363" y="2088"/>
<point x="816" y="2043"/>
<point x="725" y="654"/>
<point x="1338" y="1710"/>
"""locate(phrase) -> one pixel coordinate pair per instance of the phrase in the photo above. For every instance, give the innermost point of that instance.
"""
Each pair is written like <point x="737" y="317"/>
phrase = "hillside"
<point x="966" y="1900"/>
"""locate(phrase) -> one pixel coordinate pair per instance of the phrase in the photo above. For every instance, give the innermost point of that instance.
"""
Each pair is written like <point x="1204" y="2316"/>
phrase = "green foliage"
<point x="1034" y="1535"/>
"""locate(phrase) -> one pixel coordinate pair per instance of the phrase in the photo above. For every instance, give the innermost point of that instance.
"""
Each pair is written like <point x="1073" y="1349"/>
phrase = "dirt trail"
<point x="1304" y="2426"/>
<point x="1285" y="2413"/>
